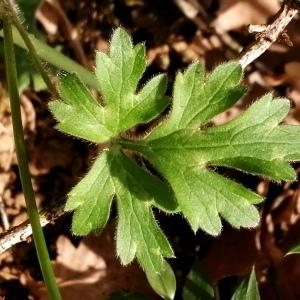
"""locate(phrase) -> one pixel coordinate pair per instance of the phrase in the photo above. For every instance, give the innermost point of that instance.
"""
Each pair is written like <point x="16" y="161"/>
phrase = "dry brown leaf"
<point x="6" y="150"/>
<point x="233" y="253"/>
<point x="292" y="78"/>
<point x="235" y="14"/>
<point x="91" y="271"/>
<point x="49" y="152"/>
<point x="292" y="71"/>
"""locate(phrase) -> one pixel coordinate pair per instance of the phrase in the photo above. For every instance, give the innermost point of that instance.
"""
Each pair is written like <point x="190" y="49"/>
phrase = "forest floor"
<point x="174" y="36"/>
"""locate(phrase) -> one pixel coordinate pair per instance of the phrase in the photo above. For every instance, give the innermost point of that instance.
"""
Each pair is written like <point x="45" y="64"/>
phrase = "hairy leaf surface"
<point x="183" y="149"/>
<point x="186" y="154"/>
<point x="114" y="175"/>
<point x="118" y="73"/>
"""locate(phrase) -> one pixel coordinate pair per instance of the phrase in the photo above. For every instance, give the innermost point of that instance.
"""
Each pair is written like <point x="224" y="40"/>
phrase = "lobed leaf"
<point x="91" y="198"/>
<point x="78" y="113"/>
<point x="138" y="234"/>
<point x="113" y="174"/>
<point x="183" y="151"/>
<point x="197" y="100"/>
<point x="254" y="142"/>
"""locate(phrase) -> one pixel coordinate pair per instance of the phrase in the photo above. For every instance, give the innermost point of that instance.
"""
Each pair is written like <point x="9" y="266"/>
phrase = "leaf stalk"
<point x="35" y="58"/>
<point x="38" y="236"/>
<point x="12" y="16"/>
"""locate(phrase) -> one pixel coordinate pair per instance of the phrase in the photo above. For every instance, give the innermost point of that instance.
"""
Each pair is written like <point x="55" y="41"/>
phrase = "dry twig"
<point x="268" y="34"/>
<point x="22" y="232"/>
<point x="194" y="11"/>
<point x="71" y="32"/>
<point x="3" y="214"/>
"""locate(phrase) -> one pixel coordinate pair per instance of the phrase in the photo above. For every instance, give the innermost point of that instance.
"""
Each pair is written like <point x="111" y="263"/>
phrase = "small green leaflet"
<point x="138" y="234"/>
<point x="181" y="148"/>
<point x="247" y="289"/>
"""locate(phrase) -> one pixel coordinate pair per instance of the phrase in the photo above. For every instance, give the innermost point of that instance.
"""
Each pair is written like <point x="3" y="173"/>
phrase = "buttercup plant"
<point x="180" y="148"/>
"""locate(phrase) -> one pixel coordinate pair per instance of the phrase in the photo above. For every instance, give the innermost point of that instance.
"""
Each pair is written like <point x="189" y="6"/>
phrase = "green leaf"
<point x="197" y="285"/>
<point x="114" y="175"/>
<point x="138" y="234"/>
<point x="164" y="283"/>
<point x="91" y="198"/>
<point x="294" y="250"/>
<point x="197" y="99"/>
<point x="247" y="289"/>
<point x="253" y="142"/>
<point x="183" y="152"/>
<point x="27" y="73"/>
<point x="118" y="73"/>
<point x="78" y="112"/>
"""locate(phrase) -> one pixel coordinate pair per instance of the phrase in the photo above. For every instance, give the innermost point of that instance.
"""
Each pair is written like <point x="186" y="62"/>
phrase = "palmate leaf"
<point x="114" y="174"/>
<point x="181" y="149"/>
<point x="184" y="153"/>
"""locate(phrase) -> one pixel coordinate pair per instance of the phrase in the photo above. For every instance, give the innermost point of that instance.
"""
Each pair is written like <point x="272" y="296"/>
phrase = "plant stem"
<point x="38" y="236"/>
<point x="57" y="59"/>
<point x="34" y="56"/>
<point x="216" y="292"/>
<point x="14" y="18"/>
